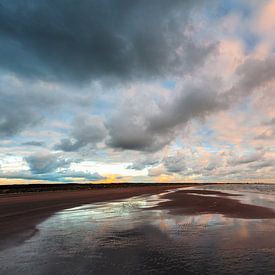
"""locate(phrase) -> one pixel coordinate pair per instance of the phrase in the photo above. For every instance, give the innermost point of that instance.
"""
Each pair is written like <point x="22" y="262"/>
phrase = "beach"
<point x="140" y="230"/>
<point x="21" y="212"/>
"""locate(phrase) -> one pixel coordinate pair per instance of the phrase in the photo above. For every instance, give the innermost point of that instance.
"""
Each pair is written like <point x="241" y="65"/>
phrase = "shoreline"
<point x="20" y="213"/>
<point x="198" y="202"/>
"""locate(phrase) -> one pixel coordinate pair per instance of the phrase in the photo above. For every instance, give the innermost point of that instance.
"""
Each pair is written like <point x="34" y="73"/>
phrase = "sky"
<point x="99" y="91"/>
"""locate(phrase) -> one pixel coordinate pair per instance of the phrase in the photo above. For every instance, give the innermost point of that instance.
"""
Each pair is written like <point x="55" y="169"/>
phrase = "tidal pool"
<point x="129" y="236"/>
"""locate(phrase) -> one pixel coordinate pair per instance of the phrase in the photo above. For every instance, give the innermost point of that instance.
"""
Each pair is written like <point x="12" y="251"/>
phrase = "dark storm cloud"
<point x="78" y="41"/>
<point x="81" y="40"/>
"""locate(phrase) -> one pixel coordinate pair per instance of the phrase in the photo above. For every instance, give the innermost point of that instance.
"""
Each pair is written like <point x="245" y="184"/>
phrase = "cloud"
<point x="262" y="164"/>
<point x="144" y="163"/>
<point x="127" y="133"/>
<point x="196" y="103"/>
<point x="156" y="171"/>
<point x="175" y="164"/>
<point x="265" y="22"/>
<point x="46" y="162"/>
<point x="86" y="130"/>
<point x="62" y="176"/>
<point x="33" y="143"/>
<point x="23" y="104"/>
<point x="255" y="157"/>
<point x="85" y="175"/>
<point x="89" y="79"/>
<point x="11" y="121"/>
<point x="266" y="135"/>
<point x="271" y="122"/>
<point x="149" y="127"/>
<point x="68" y="40"/>
<point x="26" y="104"/>
<point x="151" y="131"/>
<point x="253" y="74"/>
<point x="49" y="166"/>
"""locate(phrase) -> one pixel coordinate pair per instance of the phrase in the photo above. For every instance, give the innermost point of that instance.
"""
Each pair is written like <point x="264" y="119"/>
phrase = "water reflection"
<point x="126" y="236"/>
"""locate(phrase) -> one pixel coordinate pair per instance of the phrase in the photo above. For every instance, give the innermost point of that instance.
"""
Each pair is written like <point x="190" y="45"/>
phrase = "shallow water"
<point x="126" y="237"/>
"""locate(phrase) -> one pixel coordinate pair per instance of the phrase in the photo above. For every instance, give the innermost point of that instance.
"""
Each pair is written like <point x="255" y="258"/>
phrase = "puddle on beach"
<point x="129" y="237"/>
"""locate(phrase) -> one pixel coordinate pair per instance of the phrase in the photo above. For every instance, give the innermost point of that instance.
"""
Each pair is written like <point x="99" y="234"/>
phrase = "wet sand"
<point x="130" y="236"/>
<point x="20" y="213"/>
<point x="197" y="202"/>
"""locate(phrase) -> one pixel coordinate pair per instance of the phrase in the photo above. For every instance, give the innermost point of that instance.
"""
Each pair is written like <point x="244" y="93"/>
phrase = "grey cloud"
<point x="246" y="158"/>
<point x="266" y="135"/>
<point x="25" y="103"/>
<point x="33" y="143"/>
<point x="135" y="139"/>
<point x="86" y="130"/>
<point x="70" y="40"/>
<point x="65" y="40"/>
<point x="197" y="103"/>
<point x="271" y="122"/>
<point x="200" y="102"/>
<point x="262" y="164"/>
<point x="174" y="164"/>
<point x="46" y="162"/>
<point x="186" y="164"/>
<point x="22" y="105"/>
<point x="130" y="134"/>
<point x="150" y="132"/>
<point x="15" y="114"/>
<point x="253" y="74"/>
<point x="27" y="175"/>
<point x="142" y="164"/>
<point x="85" y="175"/>
<point x="211" y="166"/>
<point x="64" y="176"/>
<point x="256" y="73"/>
